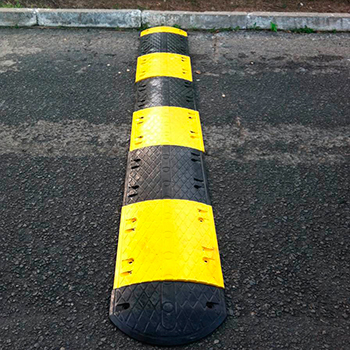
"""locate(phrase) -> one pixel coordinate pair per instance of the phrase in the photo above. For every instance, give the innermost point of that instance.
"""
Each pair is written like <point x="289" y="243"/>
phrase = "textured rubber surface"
<point x="168" y="313"/>
<point x="163" y="64"/>
<point x="163" y="30"/>
<point x="161" y="172"/>
<point x="164" y="91"/>
<point x="168" y="285"/>
<point x="164" y="42"/>
<point x="166" y="126"/>
<point x="167" y="239"/>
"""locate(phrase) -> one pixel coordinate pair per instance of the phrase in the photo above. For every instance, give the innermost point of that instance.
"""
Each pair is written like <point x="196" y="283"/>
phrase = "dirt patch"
<point x="194" y="5"/>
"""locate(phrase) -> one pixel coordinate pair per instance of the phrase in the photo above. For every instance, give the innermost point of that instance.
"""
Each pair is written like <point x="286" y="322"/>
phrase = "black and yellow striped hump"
<point x="168" y="283"/>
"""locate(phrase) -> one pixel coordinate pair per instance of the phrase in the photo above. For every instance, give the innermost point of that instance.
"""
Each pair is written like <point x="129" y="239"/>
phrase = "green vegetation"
<point x="255" y="27"/>
<point x="306" y="29"/>
<point x="7" y="4"/>
<point x="144" y="26"/>
<point x="273" y="26"/>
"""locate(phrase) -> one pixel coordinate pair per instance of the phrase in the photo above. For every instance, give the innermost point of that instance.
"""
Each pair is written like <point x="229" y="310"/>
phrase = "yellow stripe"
<point x="163" y="64"/>
<point x="167" y="239"/>
<point x="163" y="30"/>
<point x="166" y="126"/>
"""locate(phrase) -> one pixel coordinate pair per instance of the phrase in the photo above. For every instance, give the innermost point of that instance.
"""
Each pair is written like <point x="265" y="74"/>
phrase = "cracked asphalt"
<point x="275" y="112"/>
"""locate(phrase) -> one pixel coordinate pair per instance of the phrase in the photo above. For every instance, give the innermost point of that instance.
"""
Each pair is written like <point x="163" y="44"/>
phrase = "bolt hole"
<point x="211" y="305"/>
<point x="122" y="307"/>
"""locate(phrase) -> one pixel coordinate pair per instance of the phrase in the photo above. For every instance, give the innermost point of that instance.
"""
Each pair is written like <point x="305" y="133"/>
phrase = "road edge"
<point x="135" y="19"/>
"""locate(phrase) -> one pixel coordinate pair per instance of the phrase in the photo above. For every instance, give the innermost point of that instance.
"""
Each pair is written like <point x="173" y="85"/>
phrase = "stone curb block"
<point x="10" y="17"/>
<point x="197" y="20"/>
<point x="287" y="21"/>
<point x="89" y="18"/>
<point x="245" y="20"/>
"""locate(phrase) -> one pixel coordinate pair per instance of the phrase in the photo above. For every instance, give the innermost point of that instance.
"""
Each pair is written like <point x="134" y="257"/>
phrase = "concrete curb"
<point x="187" y="20"/>
<point x="246" y="20"/>
<point x="89" y="18"/>
<point x="17" y="17"/>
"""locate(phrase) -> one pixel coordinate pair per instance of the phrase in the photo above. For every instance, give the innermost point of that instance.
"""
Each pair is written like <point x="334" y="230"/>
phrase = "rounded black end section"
<point x="168" y="312"/>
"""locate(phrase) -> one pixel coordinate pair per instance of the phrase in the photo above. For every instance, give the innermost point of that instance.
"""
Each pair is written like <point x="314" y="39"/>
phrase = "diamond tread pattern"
<point x="168" y="313"/>
<point x="165" y="64"/>
<point x="165" y="125"/>
<point x="167" y="239"/>
<point x="161" y="172"/>
<point x="164" y="42"/>
<point x="164" y="91"/>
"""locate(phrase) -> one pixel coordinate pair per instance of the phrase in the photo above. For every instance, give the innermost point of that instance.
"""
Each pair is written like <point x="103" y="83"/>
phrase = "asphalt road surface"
<point x="275" y="110"/>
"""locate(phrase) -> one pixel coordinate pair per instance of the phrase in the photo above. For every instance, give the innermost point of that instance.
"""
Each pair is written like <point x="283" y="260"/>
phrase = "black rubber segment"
<point x="169" y="312"/>
<point x="161" y="172"/>
<point x="164" y="91"/>
<point x="164" y="42"/>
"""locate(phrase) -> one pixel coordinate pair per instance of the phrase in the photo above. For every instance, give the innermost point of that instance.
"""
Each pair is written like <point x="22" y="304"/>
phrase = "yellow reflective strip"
<point x="167" y="239"/>
<point x="163" y="64"/>
<point x="166" y="126"/>
<point x="163" y="30"/>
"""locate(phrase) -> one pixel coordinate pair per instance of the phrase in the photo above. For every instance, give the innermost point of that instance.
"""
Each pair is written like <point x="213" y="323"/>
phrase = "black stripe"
<point x="169" y="312"/>
<point x="164" y="42"/>
<point x="160" y="172"/>
<point x="164" y="91"/>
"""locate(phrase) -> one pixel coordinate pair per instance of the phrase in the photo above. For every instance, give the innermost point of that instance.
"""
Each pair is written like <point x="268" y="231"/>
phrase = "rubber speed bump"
<point x="168" y="284"/>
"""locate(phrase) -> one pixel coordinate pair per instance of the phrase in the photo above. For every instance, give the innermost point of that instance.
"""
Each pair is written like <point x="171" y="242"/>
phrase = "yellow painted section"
<point x="166" y="126"/>
<point x="163" y="64"/>
<point x="167" y="240"/>
<point x="163" y="30"/>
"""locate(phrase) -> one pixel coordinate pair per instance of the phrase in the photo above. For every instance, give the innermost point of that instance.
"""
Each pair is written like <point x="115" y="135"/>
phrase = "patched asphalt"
<point x="275" y="111"/>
